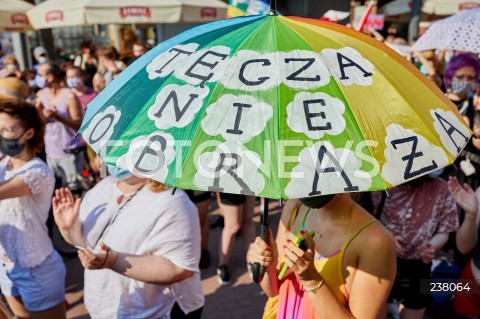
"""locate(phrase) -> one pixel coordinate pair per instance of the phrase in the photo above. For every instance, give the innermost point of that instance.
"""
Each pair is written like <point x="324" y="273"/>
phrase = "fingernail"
<point x="302" y="232"/>
<point x="284" y="246"/>
<point x="268" y="248"/>
<point x="288" y="241"/>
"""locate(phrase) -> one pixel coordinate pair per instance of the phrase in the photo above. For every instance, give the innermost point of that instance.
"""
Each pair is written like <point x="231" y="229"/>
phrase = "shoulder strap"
<point x="360" y="230"/>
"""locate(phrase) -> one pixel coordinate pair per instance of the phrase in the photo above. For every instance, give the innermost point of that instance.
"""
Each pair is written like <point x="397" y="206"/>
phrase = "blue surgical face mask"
<point x="436" y="173"/>
<point x="40" y="81"/>
<point x="119" y="174"/>
<point x="42" y="59"/>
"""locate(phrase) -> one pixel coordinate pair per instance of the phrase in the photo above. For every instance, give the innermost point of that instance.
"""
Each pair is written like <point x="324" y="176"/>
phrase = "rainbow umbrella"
<point x="274" y="106"/>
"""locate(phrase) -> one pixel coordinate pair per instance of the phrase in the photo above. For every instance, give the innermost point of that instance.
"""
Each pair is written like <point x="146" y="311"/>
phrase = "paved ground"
<point x="242" y="300"/>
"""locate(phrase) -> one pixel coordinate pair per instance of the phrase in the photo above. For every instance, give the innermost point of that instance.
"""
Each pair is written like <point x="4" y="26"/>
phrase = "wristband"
<point x="314" y="289"/>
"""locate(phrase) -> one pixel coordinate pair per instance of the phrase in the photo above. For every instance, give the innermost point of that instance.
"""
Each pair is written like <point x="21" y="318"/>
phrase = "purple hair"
<point x="458" y="62"/>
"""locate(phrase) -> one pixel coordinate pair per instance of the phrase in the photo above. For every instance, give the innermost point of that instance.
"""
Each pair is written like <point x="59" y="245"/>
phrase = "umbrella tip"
<point x="174" y="190"/>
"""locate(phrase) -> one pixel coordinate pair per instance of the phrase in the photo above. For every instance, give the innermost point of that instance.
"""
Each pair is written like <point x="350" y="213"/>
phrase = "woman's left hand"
<point x="301" y="261"/>
<point x="103" y="259"/>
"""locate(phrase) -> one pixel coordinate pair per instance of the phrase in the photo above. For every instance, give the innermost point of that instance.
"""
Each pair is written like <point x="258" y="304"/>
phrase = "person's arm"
<point x="148" y="268"/>
<point x="376" y="34"/>
<point x="66" y="211"/>
<point x="74" y="109"/>
<point x="419" y="55"/>
<point x="372" y="281"/>
<point x="468" y="201"/>
<point x="14" y="187"/>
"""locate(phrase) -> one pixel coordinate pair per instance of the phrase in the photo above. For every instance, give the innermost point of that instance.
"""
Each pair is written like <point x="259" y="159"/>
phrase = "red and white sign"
<point x="54" y="15"/>
<point x="375" y="21"/>
<point x="135" y="11"/>
<point x="20" y="18"/>
<point x="468" y="6"/>
<point x="208" y="13"/>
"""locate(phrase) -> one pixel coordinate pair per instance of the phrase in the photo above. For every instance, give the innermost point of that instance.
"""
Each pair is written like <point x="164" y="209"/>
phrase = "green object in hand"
<point x="299" y="242"/>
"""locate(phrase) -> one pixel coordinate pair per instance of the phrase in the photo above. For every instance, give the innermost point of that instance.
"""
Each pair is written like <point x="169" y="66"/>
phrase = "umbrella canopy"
<point x="13" y="17"/>
<point x="448" y="7"/>
<point x="278" y="107"/>
<point x="60" y="13"/>
<point x="458" y="32"/>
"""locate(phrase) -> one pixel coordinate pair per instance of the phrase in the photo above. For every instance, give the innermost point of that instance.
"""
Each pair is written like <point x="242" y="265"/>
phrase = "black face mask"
<point x="317" y="201"/>
<point x="11" y="146"/>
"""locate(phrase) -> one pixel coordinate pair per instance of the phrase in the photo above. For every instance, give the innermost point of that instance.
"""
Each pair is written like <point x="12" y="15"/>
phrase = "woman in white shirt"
<point x="140" y="246"/>
<point x="32" y="274"/>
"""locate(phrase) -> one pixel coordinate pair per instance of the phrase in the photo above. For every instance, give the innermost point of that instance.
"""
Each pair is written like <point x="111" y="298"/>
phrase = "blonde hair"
<point x="156" y="187"/>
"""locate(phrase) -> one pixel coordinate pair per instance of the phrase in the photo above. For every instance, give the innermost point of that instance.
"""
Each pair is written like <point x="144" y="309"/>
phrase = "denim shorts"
<point x="40" y="287"/>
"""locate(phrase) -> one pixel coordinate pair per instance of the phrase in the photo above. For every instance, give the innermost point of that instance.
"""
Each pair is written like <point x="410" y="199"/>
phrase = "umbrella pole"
<point x="259" y="271"/>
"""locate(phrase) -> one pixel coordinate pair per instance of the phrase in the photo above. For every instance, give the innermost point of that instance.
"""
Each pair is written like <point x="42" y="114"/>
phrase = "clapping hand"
<point x="100" y="260"/>
<point x="464" y="196"/>
<point x="66" y="212"/>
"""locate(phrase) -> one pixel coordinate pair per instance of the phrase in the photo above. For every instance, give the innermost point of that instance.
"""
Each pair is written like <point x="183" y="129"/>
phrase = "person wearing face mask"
<point x="76" y="81"/>
<point x="421" y="215"/>
<point x="461" y="78"/>
<point x="41" y="56"/>
<point x="32" y="273"/>
<point x="346" y="269"/>
<point x="63" y="114"/>
<point x="139" y="244"/>
<point x="11" y="68"/>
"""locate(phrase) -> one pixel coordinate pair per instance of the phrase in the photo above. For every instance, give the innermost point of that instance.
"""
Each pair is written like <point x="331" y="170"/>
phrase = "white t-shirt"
<point x="23" y="232"/>
<point x="149" y="223"/>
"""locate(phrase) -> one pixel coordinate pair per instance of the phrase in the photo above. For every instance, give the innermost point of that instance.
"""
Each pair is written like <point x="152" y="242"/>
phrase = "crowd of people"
<point x="145" y="260"/>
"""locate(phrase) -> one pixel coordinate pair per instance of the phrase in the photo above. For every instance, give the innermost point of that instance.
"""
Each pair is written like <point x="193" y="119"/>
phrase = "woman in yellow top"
<point x="346" y="270"/>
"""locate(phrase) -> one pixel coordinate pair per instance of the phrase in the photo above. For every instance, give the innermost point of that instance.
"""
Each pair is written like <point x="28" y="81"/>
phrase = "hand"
<point x="105" y="258"/>
<point x="427" y="252"/>
<point x="464" y="196"/>
<point x="47" y="113"/>
<point x="263" y="253"/>
<point x="65" y="209"/>
<point x="301" y="261"/>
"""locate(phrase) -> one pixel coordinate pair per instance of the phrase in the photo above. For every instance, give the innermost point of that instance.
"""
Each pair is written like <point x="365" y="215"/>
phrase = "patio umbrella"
<point x="60" y="13"/>
<point x="277" y="107"/>
<point x="448" y="7"/>
<point x="13" y="17"/>
<point x="458" y="32"/>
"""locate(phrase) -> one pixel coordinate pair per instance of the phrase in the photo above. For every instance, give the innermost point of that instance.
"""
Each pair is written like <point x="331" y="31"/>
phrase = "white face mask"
<point x="74" y="82"/>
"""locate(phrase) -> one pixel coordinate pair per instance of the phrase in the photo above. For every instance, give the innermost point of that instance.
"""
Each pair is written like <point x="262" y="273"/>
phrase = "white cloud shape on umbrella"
<point x="166" y="62"/>
<point x="206" y="65"/>
<point x="303" y="176"/>
<point x="303" y="70"/>
<point x="348" y="66"/>
<point x="251" y="71"/>
<point x="237" y="117"/>
<point x="316" y="114"/>
<point x="149" y="156"/>
<point x="240" y="172"/>
<point x="459" y="135"/>
<point x="421" y="157"/>
<point x="176" y="106"/>
<point x="101" y="128"/>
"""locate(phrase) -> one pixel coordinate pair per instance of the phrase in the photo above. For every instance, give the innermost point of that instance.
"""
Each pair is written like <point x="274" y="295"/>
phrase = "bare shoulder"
<point x="375" y="235"/>
<point x="288" y="209"/>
